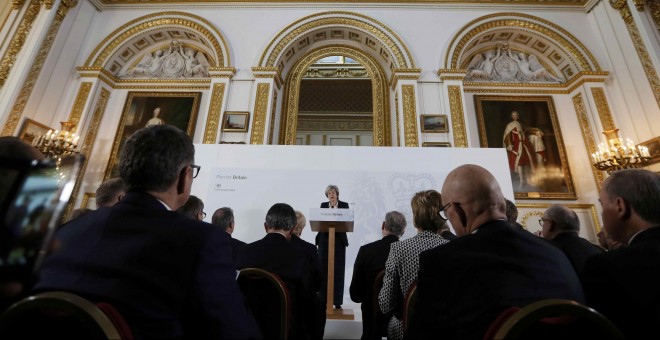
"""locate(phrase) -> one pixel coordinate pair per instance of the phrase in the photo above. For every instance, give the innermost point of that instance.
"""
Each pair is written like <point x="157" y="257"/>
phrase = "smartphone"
<point x="33" y="196"/>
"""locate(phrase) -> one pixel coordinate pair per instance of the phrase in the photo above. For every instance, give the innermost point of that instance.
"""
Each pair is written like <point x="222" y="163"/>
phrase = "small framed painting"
<point x="234" y="121"/>
<point x="434" y="123"/>
<point x="32" y="130"/>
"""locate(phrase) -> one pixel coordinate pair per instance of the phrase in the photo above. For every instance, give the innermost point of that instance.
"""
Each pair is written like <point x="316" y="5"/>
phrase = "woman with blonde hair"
<point x="402" y="264"/>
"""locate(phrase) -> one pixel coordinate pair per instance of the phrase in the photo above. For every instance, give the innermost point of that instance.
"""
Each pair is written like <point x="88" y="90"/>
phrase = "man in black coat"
<point x="561" y="226"/>
<point x="623" y="284"/>
<point x="224" y="218"/>
<point x="465" y="284"/>
<point x="370" y="261"/>
<point x="295" y="266"/>
<point x="168" y="275"/>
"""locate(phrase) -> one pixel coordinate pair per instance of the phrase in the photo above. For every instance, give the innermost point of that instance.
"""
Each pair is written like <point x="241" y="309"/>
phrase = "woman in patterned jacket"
<point x="403" y="262"/>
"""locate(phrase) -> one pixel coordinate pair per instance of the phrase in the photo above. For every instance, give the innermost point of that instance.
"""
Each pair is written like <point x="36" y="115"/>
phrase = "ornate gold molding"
<point x="553" y="32"/>
<point x="587" y="135"/>
<point x="79" y="103"/>
<point x="457" y="116"/>
<point x="343" y="123"/>
<point x="118" y="37"/>
<point x="18" y="40"/>
<point x="213" y="119"/>
<point x="640" y="46"/>
<point x="35" y="70"/>
<point x="260" y="111"/>
<point x="398" y="128"/>
<point x="409" y="115"/>
<point x="387" y="37"/>
<point x="88" y="143"/>
<point x="654" y="8"/>
<point x="48" y="3"/>
<point x="603" y="108"/>
<point x="289" y="119"/>
<point x="590" y="207"/>
<point x="17" y="4"/>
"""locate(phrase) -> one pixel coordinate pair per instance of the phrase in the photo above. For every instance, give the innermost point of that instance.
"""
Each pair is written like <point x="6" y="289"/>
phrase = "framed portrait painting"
<point x="235" y="121"/>
<point x="31" y="130"/>
<point x="434" y="123"/>
<point x="144" y="109"/>
<point x="527" y="127"/>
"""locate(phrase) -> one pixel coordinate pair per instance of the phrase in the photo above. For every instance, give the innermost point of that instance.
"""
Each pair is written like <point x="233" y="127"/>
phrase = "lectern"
<point x="332" y="221"/>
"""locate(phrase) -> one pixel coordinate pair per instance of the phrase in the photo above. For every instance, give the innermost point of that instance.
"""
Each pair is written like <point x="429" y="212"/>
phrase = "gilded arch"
<point x="555" y="46"/>
<point x="380" y="92"/>
<point x="381" y="35"/>
<point x="192" y="26"/>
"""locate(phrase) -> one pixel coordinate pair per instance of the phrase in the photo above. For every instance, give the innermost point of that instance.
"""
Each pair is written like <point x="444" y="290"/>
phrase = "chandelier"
<point x="58" y="143"/>
<point x="619" y="155"/>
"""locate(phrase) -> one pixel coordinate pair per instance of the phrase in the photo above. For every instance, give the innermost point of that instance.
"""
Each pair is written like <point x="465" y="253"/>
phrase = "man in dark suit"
<point x="168" y="275"/>
<point x="293" y="265"/>
<point x="341" y="242"/>
<point x="224" y="218"/>
<point x="561" y="226"/>
<point x="465" y="284"/>
<point x="623" y="284"/>
<point x="370" y="261"/>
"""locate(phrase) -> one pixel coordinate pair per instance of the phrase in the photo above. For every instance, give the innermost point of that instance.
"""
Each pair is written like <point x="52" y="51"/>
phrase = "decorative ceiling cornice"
<point x="490" y="2"/>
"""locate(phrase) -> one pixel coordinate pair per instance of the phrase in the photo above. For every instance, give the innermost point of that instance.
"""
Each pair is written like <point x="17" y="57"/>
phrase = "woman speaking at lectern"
<point x="341" y="242"/>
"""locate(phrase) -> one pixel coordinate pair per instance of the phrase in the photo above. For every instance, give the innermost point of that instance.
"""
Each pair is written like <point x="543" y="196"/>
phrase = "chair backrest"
<point x="557" y="318"/>
<point x="59" y="314"/>
<point x="409" y="304"/>
<point x="269" y="301"/>
<point x="377" y="316"/>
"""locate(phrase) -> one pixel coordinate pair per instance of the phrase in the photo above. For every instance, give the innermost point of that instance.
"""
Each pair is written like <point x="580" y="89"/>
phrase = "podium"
<point x="332" y="221"/>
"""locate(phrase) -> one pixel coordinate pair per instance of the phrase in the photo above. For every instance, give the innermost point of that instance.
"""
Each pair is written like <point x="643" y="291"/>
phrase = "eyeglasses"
<point x="543" y="219"/>
<point x="443" y="210"/>
<point x="203" y="214"/>
<point x="196" y="169"/>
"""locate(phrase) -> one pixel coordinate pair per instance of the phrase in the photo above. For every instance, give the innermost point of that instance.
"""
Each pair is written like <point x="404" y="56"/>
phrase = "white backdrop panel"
<point x="373" y="180"/>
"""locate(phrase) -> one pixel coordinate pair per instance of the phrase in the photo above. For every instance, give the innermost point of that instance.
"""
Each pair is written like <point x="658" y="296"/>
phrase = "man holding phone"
<point x="168" y="275"/>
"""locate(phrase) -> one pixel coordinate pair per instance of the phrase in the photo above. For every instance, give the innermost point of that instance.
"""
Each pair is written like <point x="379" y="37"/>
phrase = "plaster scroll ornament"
<point x="502" y="65"/>
<point x="176" y="62"/>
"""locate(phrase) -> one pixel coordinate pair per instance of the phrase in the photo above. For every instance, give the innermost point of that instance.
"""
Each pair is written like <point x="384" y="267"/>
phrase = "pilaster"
<point x="217" y="102"/>
<point x="404" y="83"/>
<point x="453" y="94"/>
<point x="267" y="79"/>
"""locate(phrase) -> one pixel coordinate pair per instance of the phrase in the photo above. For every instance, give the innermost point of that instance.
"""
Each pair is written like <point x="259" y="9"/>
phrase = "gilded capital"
<point x="70" y="3"/>
<point x="16" y="4"/>
<point x="639" y="4"/>
<point x="48" y="3"/>
<point x="618" y="4"/>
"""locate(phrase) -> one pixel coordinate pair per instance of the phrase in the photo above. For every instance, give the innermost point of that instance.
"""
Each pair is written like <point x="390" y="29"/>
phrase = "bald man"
<point x="465" y="284"/>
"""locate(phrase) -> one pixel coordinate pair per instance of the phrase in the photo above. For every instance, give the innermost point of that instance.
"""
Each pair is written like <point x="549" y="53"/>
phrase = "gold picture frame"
<point x="654" y="149"/>
<point x="88" y="201"/>
<point x="32" y="129"/>
<point x="437" y="144"/>
<point x="590" y="224"/>
<point x="535" y="147"/>
<point x="142" y="109"/>
<point x="235" y="121"/>
<point x="434" y="123"/>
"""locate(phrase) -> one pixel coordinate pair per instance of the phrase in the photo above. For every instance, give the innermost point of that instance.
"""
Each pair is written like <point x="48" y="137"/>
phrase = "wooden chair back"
<point x="409" y="305"/>
<point x="58" y="314"/>
<point x="269" y="301"/>
<point x="556" y="319"/>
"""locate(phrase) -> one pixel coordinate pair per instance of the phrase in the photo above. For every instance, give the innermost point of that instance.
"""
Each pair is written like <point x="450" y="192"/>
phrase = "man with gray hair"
<point x="623" y="284"/>
<point x="561" y="226"/>
<point x="293" y="265"/>
<point x="110" y="192"/>
<point x="369" y="263"/>
<point x="160" y="269"/>
<point x="224" y="218"/>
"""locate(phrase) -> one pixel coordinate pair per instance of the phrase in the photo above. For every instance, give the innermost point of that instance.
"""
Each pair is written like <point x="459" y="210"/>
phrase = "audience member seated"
<point x="75" y="213"/>
<point x="224" y="218"/>
<point x="168" y="275"/>
<point x="512" y="214"/>
<point x="561" y="225"/>
<point x="606" y="242"/>
<point x="369" y="262"/>
<point x="13" y="288"/>
<point x="318" y="317"/>
<point x="465" y="284"/>
<point x="403" y="260"/>
<point x="110" y="192"/>
<point x="194" y="208"/>
<point x="294" y="266"/>
<point x="623" y="284"/>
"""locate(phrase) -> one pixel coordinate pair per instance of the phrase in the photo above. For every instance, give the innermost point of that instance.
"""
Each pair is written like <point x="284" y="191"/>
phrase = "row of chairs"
<point x="545" y="319"/>
<point x="61" y="313"/>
